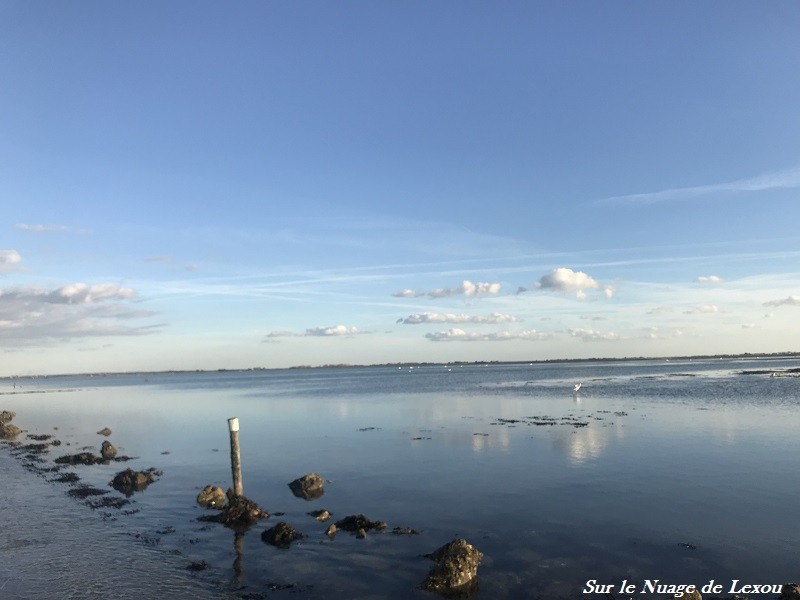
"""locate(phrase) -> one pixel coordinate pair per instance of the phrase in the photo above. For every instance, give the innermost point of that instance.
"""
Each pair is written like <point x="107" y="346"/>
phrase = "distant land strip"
<point x="746" y="355"/>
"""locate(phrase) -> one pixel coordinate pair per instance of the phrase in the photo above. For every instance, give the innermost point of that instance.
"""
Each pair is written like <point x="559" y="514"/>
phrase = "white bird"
<point x="576" y="388"/>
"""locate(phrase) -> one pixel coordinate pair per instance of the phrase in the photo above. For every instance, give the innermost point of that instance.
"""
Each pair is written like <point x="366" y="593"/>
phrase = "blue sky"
<point x="220" y="185"/>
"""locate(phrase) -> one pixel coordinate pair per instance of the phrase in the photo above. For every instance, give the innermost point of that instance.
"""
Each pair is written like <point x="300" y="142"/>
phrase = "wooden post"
<point x="236" y="457"/>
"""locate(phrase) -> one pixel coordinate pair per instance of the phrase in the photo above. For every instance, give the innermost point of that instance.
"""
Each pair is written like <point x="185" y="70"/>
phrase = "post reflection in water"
<point x="238" y="562"/>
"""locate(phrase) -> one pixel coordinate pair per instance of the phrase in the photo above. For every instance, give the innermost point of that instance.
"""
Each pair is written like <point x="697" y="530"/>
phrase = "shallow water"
<point x="649" y="456"/>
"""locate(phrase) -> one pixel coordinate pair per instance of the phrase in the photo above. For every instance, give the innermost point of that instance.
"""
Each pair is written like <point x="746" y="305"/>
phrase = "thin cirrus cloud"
<point x="789" y="301"/>
<point x="334" y="331"/>
<point x="33" y="315"/>
<point x="459" y="335"/>
<point x="467" y="288"/>
<point x="428" y="317"/>
<point x="39" y="228"/>
<point x="786" y="179"/>
<point x="563" y="279"/>
<point x="702" y="309"/>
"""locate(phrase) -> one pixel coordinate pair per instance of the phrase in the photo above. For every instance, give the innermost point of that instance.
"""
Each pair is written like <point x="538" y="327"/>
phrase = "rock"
<point x="282" y="535"/>
<point x="130" y="481"/>
<point x="790" y="591"/>
<point x="693" y="595"/>
<point x="404" y="531"/>
<point x="108" y="451"/>
<point x="82" y="458"/>
<point x="308" y="487"/>
<point x="7" y="416"/>
<point x="200" y="565"/>
<point x="85" y="491"/>
<point x="331" y="531"/>
<point x="9" y="431"/>
<point x="320" y="515"/>
<point x="239" y="513"/>
<point x="67" y="478"/>
<point x="211" y="496"/>
<point x="104" y="431"/>
<point x="361" y="533"/>
<point x="355" y="522"/>
<point x="456" y="569"/>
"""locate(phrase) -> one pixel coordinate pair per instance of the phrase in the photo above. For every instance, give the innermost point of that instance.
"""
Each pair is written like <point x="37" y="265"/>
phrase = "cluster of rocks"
<point x="108" y="453"/>
<point x="455" y="571"/>
<point x="127" y="481"/>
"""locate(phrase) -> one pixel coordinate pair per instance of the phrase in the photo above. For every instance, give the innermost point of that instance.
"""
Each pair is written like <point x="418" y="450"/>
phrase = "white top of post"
<point x="233" y="424"/>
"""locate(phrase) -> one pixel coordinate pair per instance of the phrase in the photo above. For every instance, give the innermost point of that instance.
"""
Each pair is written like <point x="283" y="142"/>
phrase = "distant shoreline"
<point x="746" y="355"/>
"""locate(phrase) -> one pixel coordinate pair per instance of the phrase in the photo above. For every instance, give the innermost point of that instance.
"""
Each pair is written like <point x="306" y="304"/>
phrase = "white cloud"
<point x="8" y="258"/>
<point x="407" y="293"/>
<point x="277" y="334"/>
<point x="428" y="317"/>
<point x="332" y="331"/>
<point x="467" y="288"/>
<point x="80" y="293"/>
<point x="709" y="280"/>
<point x="702" y="309"/>
<point x="567" y="280"/>
<point x="790" y="301"/>
<point x="592" y="335"/>
<point x="459" y="335"/>
<point x="37" y="316"/>
<point x="787" y="179"/>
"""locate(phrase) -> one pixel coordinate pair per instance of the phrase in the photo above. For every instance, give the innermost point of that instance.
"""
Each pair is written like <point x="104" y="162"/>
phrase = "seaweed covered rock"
<point x="355" y="522"/>
<point x="108" y="451"/>
<point x="308" y="487"/>
<point x="104" y="431"/>
<point x="456" y="569"/>
<point x="239" y="512"/>
<point x="7" y="416"/>
<point x="790" y="591"/>
<point x="82" y="458"/>
<point x="9" y="431"/>
<point x="211" y="496"/>
<point x="130" y="481"/>
<point x="281" y="535"/>
<point x="320" y="515"/>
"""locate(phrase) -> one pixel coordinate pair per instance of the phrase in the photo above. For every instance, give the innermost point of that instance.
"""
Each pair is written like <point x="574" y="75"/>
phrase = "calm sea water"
<point x="678" y="471"/>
